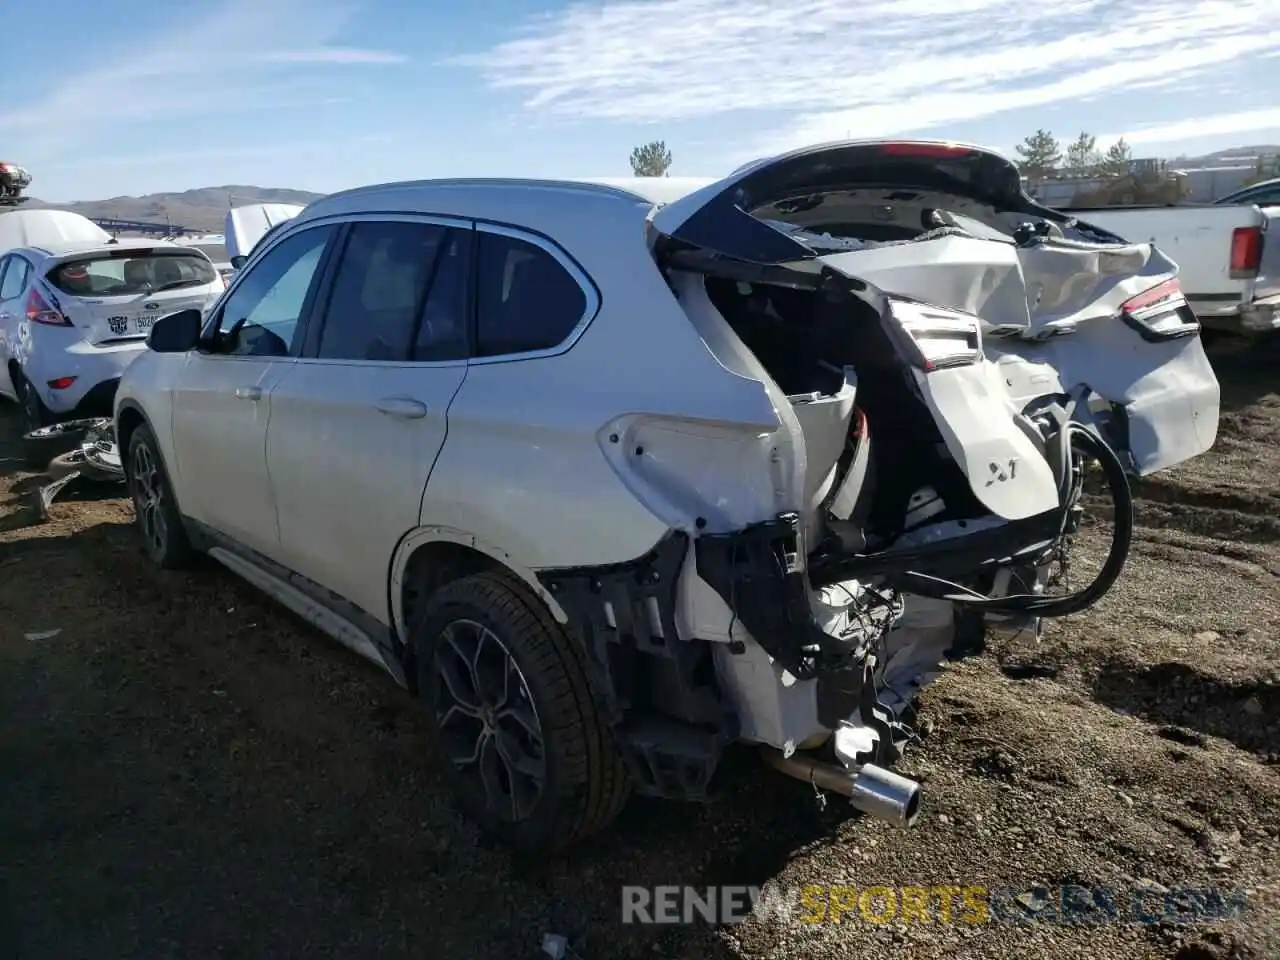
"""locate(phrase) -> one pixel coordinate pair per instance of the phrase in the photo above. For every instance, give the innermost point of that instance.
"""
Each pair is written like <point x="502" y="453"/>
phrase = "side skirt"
<point x="345" y="622"/>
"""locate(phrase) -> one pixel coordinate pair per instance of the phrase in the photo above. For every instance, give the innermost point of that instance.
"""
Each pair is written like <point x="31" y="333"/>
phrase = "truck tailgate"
<point x="1267" y="285"/>
<point x="1198" y="238"/>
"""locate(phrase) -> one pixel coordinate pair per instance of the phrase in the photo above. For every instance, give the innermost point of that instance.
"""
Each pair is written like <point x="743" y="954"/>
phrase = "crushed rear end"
<point x="943" y="357"/>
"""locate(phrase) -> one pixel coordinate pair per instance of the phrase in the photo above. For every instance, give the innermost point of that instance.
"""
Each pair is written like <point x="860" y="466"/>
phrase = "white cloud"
<point x="229" y="54"/>
<point x="866" y="68"/>
<point x="335" y="55"/>
<point x="1245" y="121"/>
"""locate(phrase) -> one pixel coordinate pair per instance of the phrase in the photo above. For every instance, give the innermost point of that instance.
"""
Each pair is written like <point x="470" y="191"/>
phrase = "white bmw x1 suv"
<point x="613" y="475"/>
<point x="75" y="313"/>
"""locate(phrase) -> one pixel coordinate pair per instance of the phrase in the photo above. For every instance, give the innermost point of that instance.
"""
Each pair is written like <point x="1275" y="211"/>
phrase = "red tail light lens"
<point x="1161" y="312"/>
<point x="1246" y="252"/>
<point x="39" y="311"/>
<point x="61" y="383"/>
<point x="909" y="148"/>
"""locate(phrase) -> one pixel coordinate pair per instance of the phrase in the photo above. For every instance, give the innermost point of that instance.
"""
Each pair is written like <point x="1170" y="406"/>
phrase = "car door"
<point x="13" y="282"/>
<point x="359" y="420"/>
<point x="222" y="399"/>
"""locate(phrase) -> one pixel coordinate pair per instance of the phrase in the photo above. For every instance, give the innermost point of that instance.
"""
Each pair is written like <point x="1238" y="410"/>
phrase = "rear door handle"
<point x="405" y="408"/>
<point x="248" y="393"/>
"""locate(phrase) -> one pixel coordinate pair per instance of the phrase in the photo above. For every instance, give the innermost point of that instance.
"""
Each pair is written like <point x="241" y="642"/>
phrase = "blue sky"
<point x="326" y="94"/>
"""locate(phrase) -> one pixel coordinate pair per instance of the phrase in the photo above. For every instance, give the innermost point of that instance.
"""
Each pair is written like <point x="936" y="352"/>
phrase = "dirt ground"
<point x="187" y="771"/>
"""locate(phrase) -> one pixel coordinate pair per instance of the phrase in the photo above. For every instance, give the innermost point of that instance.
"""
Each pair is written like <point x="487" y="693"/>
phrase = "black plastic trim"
<point x="1189" y="328"/>
<point x="657" y="689"/>
<point x="758" y="572"/>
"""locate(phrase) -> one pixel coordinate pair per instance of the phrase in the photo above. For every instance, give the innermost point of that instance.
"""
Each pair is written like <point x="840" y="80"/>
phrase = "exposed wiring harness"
<point x="1073" y="434"/>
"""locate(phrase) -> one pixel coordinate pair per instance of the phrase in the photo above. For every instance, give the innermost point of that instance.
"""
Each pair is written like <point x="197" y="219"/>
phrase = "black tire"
<point x="34" y="413"/>
<point x="585" y="784"/>
<point x="41" y="446"/>
<point x="164" y="538"/>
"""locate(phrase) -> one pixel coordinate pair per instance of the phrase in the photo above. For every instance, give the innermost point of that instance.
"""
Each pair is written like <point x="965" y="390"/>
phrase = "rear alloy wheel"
<point x="164" y="539"/>
<point x="506" y="694"/>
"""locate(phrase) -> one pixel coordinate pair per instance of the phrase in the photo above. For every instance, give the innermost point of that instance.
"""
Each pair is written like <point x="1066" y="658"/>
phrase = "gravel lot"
<point x="187" y="771"/>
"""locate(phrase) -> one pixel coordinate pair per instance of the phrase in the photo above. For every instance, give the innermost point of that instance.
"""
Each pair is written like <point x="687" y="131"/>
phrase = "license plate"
<point x="146" y="322"/>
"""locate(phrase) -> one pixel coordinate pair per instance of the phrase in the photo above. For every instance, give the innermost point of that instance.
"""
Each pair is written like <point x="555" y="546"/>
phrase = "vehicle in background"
<point x="1228" y="254"/>
<point x="13" y="180"/>
<point x="34" y="228"/>
<point x="213" y="246"/>
<point x="1264" y="194"/>
<point x="75" y="312"/>
<point x="614" y="476"/>
<point x="247" y="225"/>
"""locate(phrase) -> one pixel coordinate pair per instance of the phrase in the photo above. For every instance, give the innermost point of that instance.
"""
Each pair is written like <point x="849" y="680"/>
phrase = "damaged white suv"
<point x="612" y="475"/>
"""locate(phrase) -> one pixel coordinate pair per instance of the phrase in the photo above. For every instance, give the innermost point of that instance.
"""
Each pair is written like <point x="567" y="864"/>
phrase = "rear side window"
<point x="131" y="273"/>
<point x="399" y="293"/>
<point x="14" y="279"/>
<point x="525" y="299"/>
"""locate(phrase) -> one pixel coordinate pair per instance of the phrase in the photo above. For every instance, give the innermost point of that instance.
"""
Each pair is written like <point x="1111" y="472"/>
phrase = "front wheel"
<point x="164" y="538"/>
<point x="506" y="693"/>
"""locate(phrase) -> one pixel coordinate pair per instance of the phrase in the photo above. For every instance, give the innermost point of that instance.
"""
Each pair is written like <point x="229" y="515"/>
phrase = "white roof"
<point x="654" y="189"/>
<point x="46" y="228"/>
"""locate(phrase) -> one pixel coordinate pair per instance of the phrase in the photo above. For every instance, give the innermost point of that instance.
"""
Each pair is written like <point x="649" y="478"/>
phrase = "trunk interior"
<point x="805" y="342"/>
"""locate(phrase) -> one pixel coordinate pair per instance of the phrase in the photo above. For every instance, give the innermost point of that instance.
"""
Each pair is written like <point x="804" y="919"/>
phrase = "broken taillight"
<point x="1246" y="252"/>
<point x="39" y="311"/>
<point x="936" y="337"/>
<point x="1161" y="312"/>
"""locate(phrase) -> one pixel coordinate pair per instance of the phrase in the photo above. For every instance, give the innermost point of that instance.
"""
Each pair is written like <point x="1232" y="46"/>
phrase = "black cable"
<point x="1121" y="541"/>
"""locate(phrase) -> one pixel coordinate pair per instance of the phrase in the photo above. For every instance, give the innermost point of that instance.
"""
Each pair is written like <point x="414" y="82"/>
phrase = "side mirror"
<point x="176" y="332"/>
<point x="238" y="261"/>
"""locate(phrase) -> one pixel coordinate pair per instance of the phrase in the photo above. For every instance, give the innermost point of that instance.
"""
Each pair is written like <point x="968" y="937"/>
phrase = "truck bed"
<point x="1203" y="238"/>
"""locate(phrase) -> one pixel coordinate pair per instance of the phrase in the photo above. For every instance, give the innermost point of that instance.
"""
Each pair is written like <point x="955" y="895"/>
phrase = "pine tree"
<point x="1082" y="157"/>
<point x="1039" y="155"/>
<point x="651" y="159"/>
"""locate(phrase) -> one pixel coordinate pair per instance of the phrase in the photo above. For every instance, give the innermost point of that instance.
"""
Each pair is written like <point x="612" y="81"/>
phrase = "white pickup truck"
<point x="1228" y="270"/>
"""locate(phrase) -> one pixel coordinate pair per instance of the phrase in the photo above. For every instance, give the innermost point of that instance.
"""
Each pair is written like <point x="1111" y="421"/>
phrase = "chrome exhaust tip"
<point x="887" y="795"/>
<point x="871" y="789"/>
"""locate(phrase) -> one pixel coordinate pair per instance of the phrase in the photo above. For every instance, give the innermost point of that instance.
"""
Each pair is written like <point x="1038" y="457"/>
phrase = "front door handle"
<point x="404" y="407"/>
<point x="248" y="393"/>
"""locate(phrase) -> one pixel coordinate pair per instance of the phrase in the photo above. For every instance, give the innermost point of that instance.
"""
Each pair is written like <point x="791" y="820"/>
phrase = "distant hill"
<point x="1258" y="150"/>
<point x="203" y="210"/>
